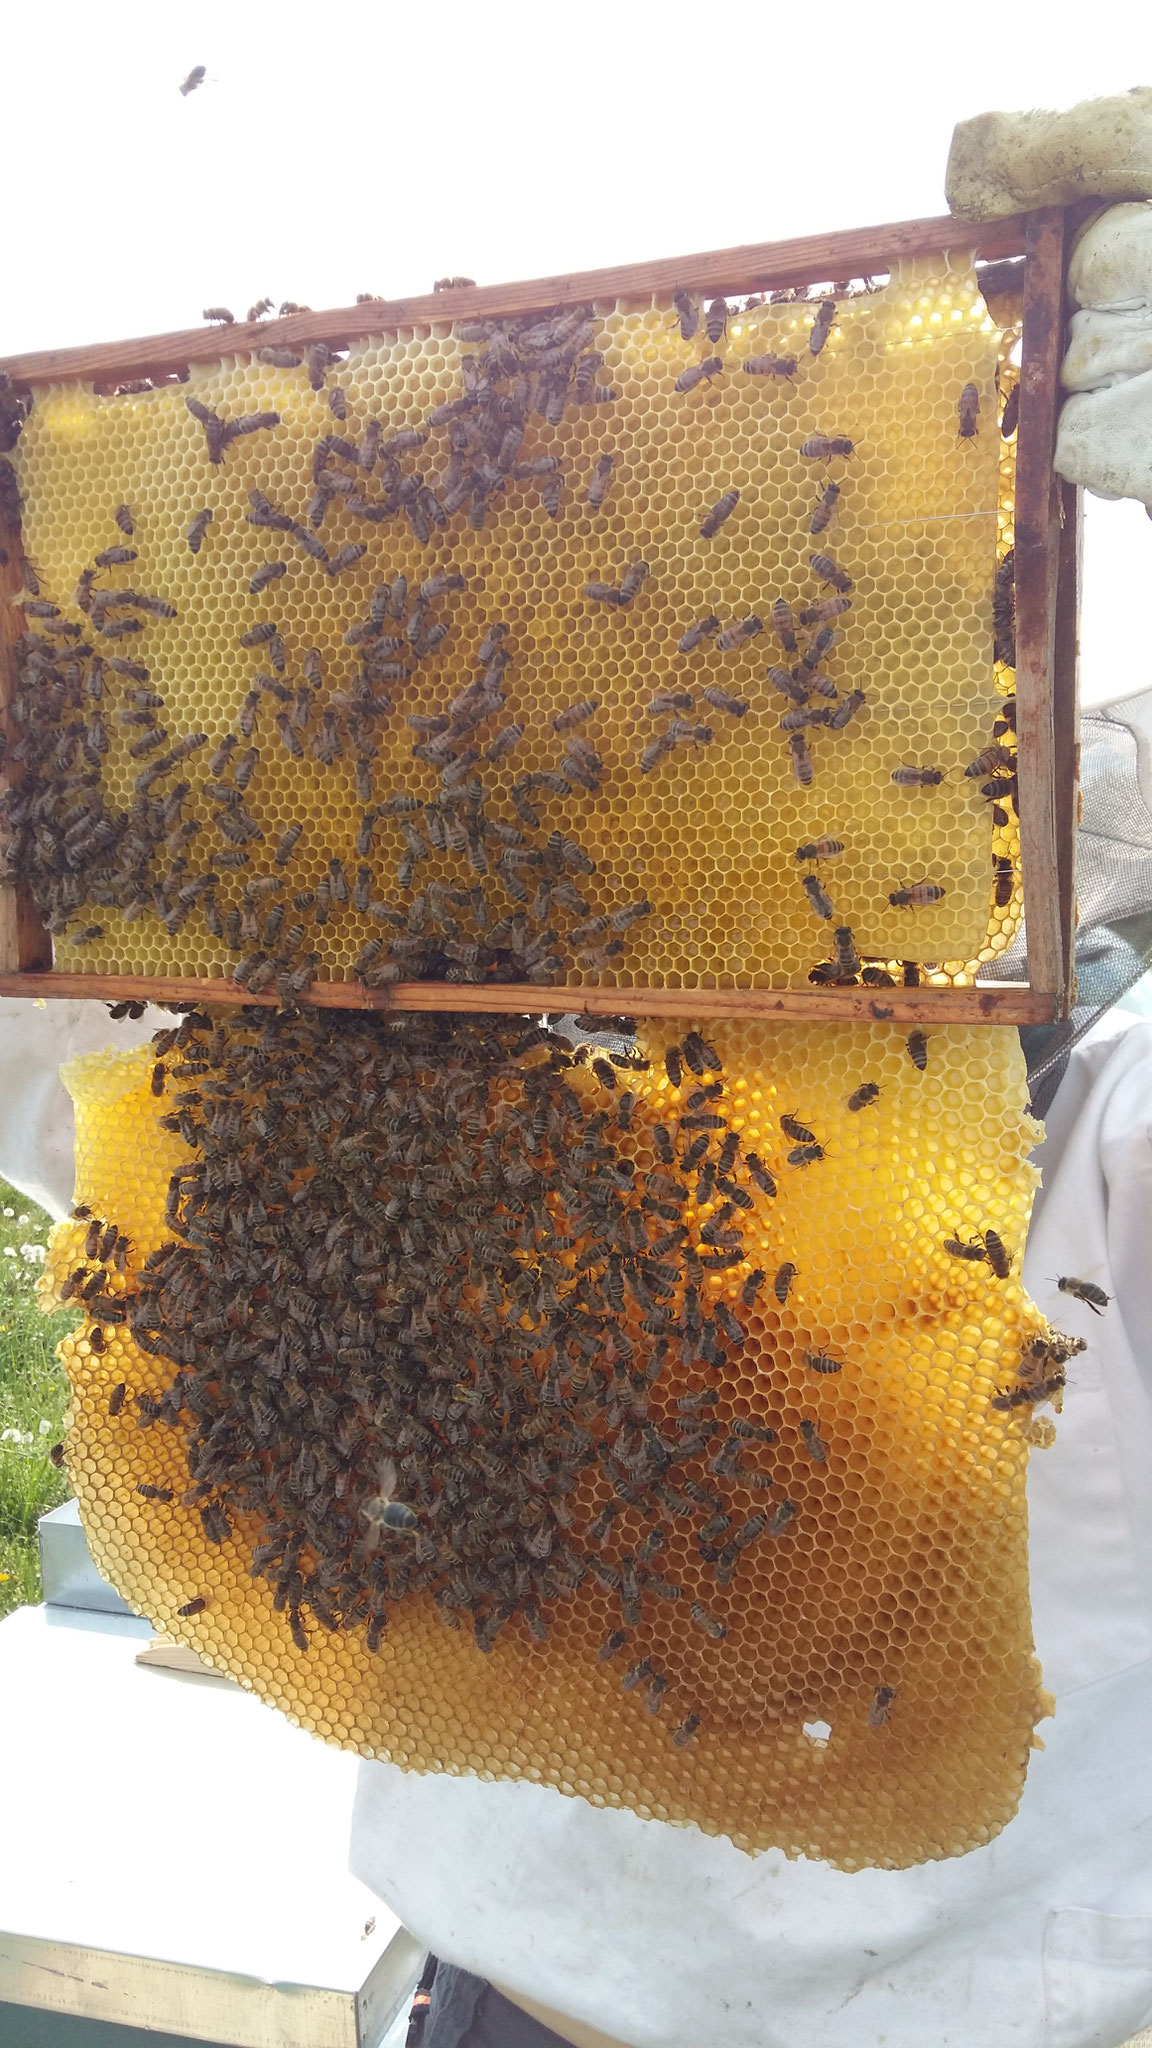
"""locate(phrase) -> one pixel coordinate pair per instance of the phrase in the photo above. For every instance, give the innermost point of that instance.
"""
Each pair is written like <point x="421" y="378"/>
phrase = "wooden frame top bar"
<point x="755" y="266"/>
<point x="1006" y="1002"/>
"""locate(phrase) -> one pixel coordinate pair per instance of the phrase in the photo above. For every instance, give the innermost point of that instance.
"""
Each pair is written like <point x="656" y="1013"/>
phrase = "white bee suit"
<point x="661" y="1937"/>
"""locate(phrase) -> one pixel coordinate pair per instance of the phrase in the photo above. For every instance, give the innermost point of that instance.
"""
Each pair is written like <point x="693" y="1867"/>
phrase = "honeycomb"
<point x="437" y="851"/>
<point x="645" y="1419"/>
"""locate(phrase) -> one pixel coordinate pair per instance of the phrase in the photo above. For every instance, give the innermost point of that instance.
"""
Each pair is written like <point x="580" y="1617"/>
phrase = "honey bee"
<point x="999" y="1258"/>
<point x="783" y="1281"/>
<point x="785" y="626"/>
<point x="634" y="576"/>
<point x="882" y="1700"/>
<point x="822" y="516"/>
<point x="1086" y="1291"/>
<point x="721" y="700"/>
<point x="818" y="896"/>
<point x="192" y="1607"/>
<point x="917" y="1045"/>
<point x="814" y="1443"/>
<point x="575" y="714"/>
<point x="828" y="572"/>
<point x="862" y="1096"/>
<point x="771" y="366"/>
<point x="721" y="510"/>
<point x="760" y="1174"/>
<point x="736" y="634"/>
<point x="123" y="518"/>
<point x="1010" y="417"/>
<point x="195" y="77"/>
<point x="917" y="897"/>
<point x="801" y="759"/>
<point x="752" y="1286"/>
<point x="819" y="1361"/>
<point x="382" y="1511"/>
<point x="258" y="311"/>
<point x="689" y="640"/>
<point x="97" y="1342"/>
<point x="822" y="447"/>
<point x="688" y="314"/>
<point x="686" y="1731"/>
<point x="827" y="608"/>
<point x="846" y="710"/>
<point x="601" y="479"/>
<point x="806" y="1155"/>
<point x="697" y="372"/>
<point x="822" y="326"/>
<point x="1032" y="1395"/>
<point x="909" y="777"/>
<point x="160" y="1493"/>
<point x="967" y="408"/>
<point x="986" y="763"/>
<point x="710" y="1623"/>
<point x="716" y="320"/>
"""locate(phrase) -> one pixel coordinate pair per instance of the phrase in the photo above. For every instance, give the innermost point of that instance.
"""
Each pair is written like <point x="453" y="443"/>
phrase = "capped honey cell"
<point x="501" y="1401"/>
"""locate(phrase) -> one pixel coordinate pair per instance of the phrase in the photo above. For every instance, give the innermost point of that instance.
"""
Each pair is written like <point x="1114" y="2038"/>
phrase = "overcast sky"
<point x="367" y="148"/>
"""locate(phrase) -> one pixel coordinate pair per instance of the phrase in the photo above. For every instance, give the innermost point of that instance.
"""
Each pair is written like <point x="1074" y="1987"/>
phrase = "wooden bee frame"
<point x="1047" y="541"/>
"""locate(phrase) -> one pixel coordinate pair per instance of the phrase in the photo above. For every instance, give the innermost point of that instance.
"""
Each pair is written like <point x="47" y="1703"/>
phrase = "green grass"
<point x="33" y="1397"/>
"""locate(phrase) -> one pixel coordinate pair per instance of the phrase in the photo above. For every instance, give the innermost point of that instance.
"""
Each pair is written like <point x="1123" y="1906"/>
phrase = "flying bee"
<point x="1086" y="1291"/>
<point x="822" y="516"/>
<point x="882" y="1700"/>
<point x="862" y="1096"/>
<point x="771" y="366"/>
<point x="819" y="1361"/>
<point x="822" y="447"/>
<point x="909" y="777"/>
<point x="986" y="763"/>
<point x="382" y="1511"/>
<point x="687" y="313"/>
<point x="822" y="326"/>
<point x="721" y="510"/>
<point x="967" y="408"/>
<point x="56" y="1454"/>
<point x="917" y="1045"/>
<point x="697" y="372"/>
<point x="917" y="897"/>
<point x="801" y="759"/>
<point x="195" y="77"/>
<point x="818" y="896"/>
<point x="783" y="1281"/>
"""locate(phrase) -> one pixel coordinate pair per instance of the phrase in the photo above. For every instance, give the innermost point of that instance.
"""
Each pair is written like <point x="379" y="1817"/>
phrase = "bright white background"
<point x="365" y="147"/>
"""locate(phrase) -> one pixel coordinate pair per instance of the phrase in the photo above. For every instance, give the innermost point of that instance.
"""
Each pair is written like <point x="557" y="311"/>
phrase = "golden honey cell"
<point x="706" y="833"/>
<point x="853" y="1679"/>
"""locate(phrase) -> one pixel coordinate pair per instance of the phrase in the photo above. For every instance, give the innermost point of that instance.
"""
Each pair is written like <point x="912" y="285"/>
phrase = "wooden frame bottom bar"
<point x="1005" y="1003"/>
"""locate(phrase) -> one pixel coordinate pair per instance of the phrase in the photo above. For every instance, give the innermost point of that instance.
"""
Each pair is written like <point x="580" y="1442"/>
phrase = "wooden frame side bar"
<point x="1066" y="721"/>
<point x="25" y="943"/>
<point x="1005" y="1003"/>
<point x="1037" y="541"/>
<point x="757" y="266"/>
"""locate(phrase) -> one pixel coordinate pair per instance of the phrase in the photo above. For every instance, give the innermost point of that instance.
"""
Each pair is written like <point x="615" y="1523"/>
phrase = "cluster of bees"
<point x="78" y="854"/>
<point x="427" y="1278"/>
<point x="386" y="1369"/>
